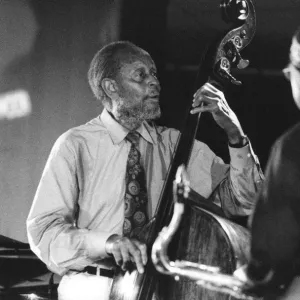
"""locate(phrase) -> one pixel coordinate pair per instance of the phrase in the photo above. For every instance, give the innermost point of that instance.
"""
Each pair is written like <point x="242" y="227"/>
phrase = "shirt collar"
<point x="118" y="133"/>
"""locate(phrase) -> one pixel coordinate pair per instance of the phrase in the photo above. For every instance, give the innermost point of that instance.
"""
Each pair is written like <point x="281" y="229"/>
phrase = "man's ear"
<point x="110" y="87"/>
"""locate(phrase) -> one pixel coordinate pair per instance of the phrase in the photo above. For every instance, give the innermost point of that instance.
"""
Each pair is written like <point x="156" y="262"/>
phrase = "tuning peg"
<point x="240" y="62"/>
<point x="225" y="73"/>
<point x="243" y="63"/>
<point x="232" y="52"/>
<point x="222" y="69"/>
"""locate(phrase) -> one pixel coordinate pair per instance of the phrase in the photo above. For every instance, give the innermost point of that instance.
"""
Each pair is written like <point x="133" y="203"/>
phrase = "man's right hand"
<point x="126" y="251"/>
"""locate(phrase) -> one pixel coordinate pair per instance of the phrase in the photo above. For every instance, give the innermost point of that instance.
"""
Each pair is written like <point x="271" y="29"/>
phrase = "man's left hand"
<point x="209" y="99"/>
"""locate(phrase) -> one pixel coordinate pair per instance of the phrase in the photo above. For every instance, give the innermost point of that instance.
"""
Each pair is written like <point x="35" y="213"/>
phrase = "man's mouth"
<point x="154" y="97"/>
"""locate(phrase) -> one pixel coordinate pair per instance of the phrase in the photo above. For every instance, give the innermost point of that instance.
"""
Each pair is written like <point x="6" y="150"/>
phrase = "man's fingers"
<point x="212" y="87"/>
<point x="143" y="250"/>
<point x="125" y="257"/>
<point x="207" y="87"/>
<point x="206" y="91"/>
<point x="118" y="257"/>
<point x="205" y="99"/>
<point x="130" y="251"/>
<point x="136" y="254"/>
<point x="210" y="108"/>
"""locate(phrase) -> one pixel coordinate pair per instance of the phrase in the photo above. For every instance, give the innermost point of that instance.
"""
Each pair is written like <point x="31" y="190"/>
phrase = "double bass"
<point x="200" y="235"/>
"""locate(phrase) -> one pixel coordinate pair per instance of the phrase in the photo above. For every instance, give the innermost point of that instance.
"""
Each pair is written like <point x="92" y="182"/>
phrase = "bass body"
<point x="208" y="239"/>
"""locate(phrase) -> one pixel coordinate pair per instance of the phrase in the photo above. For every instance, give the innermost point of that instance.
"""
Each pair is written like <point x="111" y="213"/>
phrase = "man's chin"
<point x="134" y="116"/>
<point x="153" y="112"/>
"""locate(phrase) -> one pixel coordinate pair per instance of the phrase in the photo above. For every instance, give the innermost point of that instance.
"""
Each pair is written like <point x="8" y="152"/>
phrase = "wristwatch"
<point x="244" y="141"/>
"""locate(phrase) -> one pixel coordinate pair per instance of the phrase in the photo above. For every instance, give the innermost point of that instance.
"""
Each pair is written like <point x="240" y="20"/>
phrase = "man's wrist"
<point x="110" y="243"/>
<point x="240" y="142"/>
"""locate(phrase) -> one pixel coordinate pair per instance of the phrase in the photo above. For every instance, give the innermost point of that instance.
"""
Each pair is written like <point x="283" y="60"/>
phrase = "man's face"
<point x="293" y="75"/>
<point x="138" y="89"/>
<point x="295" y="84"/>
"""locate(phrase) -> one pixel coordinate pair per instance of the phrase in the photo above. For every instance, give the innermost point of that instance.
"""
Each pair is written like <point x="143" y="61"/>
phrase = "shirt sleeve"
<point x="51" y="225"/>
<point x="238" y="190"/>
<point x="275" y="224"/>
<point x="232" y="186"/>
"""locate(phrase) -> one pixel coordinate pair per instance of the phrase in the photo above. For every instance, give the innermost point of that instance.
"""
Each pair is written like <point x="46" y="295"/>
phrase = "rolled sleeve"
<point x="246" y="176"/>
<point x="95" y="243"/>
<point x="236" y="189"/>
<point x="242" y="157"/>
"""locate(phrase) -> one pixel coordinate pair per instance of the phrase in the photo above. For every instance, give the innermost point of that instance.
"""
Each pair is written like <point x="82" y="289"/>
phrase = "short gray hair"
<point x="107" y="63"/>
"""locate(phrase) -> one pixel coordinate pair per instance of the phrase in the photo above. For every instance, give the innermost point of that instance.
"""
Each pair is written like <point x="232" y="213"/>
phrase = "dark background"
<point x="46" y="48"/>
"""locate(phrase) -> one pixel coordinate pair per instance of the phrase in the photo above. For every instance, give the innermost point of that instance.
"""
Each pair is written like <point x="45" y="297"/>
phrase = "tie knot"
<point x="133" y="137"/>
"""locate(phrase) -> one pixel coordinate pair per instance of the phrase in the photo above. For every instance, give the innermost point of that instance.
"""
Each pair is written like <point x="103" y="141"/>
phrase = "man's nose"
<point x="153" y="81"/>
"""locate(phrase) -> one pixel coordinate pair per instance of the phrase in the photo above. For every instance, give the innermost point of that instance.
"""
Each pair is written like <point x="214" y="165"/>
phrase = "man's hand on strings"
<point x="209" y="99"/>
<point x="127" y="252"/>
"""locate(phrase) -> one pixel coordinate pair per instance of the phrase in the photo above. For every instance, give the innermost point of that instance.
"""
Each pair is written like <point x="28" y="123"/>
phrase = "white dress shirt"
<point x="79" y="201"/>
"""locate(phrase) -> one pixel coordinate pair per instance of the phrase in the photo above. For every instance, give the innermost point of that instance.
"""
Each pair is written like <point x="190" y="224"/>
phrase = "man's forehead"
<point x="136" y="60"/>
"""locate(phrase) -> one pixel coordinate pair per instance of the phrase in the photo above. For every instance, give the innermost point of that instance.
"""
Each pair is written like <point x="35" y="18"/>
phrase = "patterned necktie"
<point x="136" y="199"/>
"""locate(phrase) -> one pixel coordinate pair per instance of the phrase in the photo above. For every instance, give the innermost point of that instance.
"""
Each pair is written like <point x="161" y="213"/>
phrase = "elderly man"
<point x="102" y="181"/>
<point x="275" y="228"/>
